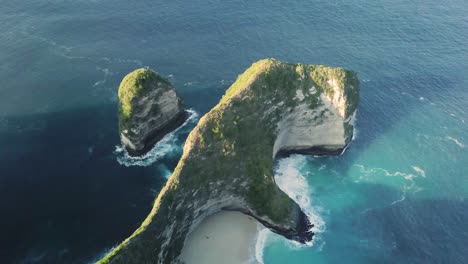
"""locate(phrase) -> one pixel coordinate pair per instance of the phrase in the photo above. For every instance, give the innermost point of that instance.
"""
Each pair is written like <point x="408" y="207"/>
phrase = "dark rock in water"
<point x="274" y="108"/>
<point x="149" y="108"/>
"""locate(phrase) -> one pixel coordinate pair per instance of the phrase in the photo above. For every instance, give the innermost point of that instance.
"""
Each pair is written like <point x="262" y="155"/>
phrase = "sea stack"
<point x="227" y="163"/>
<point x="149" y="108"/>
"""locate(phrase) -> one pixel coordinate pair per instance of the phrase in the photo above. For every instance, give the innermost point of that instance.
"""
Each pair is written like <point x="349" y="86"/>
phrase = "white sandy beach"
<point x="226" y="237"/>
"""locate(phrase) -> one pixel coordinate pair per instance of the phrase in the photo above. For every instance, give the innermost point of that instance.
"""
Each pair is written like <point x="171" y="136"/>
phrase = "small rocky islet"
<point x="273" y="109"/>
<point x="149" y="108"/>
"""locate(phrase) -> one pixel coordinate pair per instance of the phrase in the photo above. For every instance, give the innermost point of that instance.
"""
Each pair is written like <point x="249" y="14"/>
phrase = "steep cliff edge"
<point x="149" y="108"/>
<point x="227" y="162"/>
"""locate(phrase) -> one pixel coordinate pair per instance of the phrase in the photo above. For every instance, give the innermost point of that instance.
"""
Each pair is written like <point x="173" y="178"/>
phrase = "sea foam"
<point x="456" y="141"/>
<point x="368" y="173"/>
<point x="262" y="238"/>
<point x="419" y="171"/>
<point x="168" y="144"/>
<point x="291" y="180"/>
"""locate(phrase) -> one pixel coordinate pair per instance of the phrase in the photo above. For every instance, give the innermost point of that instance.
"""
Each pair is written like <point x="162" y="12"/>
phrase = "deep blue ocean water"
<point x="398" y="195"/>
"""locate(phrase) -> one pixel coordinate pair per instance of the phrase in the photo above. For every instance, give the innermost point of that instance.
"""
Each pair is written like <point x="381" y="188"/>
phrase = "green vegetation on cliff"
<point x="229" y="155"/>
<point x="134" y="85"/>
<point x="281" y="78"/>
<point x="238" y="134"/>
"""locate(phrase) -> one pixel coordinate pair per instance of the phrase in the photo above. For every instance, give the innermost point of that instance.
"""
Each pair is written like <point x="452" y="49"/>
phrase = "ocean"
<point x="397" y="195"/>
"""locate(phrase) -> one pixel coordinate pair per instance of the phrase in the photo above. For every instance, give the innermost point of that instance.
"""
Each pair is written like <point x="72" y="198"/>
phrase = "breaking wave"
<point x="291" y="180"/>
<point x="262" y="238"/>
<point x="167" y="145"/>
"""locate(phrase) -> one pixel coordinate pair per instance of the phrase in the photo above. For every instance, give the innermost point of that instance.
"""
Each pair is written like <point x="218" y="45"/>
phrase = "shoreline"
<point x="227" y="237"/>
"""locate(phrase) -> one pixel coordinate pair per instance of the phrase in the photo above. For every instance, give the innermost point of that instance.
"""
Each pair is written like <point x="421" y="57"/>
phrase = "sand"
<point x="226" y="237"/>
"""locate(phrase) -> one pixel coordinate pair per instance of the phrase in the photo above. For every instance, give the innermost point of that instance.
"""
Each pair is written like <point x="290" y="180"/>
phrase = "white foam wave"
<point x="419" y="171"/>
<point x="456" y="141"/>
<point x="262" y="237"/>
<point x="402" y="198"/>
<point x="166" y="145"/>
<point x="355" y="134"/>
<point x="445" y="138"/>
<point x="344" y="150"/>
<point x="375" y="174"/>
<point x="372" y="171"/>
<point x="289" y="178"/>
<point x="107" y="73"/>
<point x="166" y="172"/>
<point x="190" y="83"/>
<point x="120" y="60"/>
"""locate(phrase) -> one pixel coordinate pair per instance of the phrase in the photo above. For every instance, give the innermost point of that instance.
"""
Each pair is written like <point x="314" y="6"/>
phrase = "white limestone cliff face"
<point x="305" y="129"/>
<point x="337" y="100"/>
<point x="320" y="130"/>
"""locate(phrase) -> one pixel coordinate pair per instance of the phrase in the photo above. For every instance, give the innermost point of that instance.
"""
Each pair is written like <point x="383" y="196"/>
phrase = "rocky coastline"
<point x="274" y="108"/>
<point x="302" y="233"/>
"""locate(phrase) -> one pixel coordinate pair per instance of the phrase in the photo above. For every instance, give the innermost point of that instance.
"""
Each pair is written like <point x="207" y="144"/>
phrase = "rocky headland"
<point x="149" y="108"/>
<point x="273" y="108"/>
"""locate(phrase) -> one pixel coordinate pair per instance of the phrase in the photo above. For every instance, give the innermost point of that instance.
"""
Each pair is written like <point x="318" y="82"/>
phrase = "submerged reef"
<point x="274" y="108"/>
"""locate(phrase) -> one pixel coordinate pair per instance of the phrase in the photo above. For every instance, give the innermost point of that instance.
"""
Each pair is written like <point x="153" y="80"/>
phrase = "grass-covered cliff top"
<point x="134" y="85"/>
<point x="230" y="154"/>
<point x="236" y="137"/>
<point x="270" y="75"/>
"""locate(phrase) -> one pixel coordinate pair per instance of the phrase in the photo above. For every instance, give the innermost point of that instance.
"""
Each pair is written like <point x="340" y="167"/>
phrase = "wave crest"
<point x="291" y="180"/>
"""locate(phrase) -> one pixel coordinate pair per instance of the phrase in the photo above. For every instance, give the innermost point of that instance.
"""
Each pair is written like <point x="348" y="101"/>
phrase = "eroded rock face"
<point x="149" y="108"/>
<point x="322" y="130"/>
<point x="227" y="161"/>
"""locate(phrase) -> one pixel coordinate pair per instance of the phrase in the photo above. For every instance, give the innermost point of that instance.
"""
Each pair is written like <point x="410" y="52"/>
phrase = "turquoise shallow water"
<point x="398" y="195"/>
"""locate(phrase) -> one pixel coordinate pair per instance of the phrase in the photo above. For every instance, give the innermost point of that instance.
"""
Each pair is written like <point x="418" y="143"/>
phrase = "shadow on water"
<point x="406" y="231"/>
<point x="64" y="197"/>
